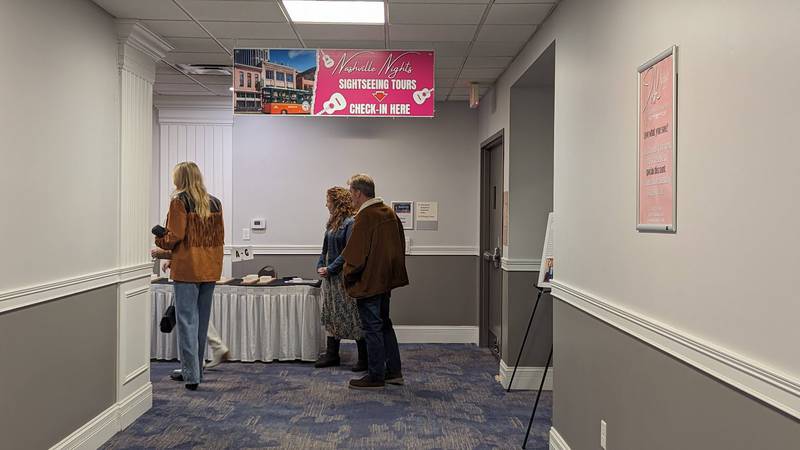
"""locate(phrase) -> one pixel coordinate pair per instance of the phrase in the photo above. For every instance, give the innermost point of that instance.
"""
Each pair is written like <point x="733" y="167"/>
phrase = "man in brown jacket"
<point x="374" y="264"/>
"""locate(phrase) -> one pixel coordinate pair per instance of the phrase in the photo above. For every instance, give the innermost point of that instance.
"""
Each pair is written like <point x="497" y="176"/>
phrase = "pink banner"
<point x="376" y="83"/>
<point x="656" y="146"/>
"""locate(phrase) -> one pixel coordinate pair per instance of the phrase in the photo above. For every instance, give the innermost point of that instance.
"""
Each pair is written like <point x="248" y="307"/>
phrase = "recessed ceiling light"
<point x="358" y="12"/>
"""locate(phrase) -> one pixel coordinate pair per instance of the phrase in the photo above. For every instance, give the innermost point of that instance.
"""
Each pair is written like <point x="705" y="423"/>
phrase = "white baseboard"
<point x="527" y="378"/>
<point x="556" y="441"/>
<point x="99" y="430"/>
<point x="423" y="334"/>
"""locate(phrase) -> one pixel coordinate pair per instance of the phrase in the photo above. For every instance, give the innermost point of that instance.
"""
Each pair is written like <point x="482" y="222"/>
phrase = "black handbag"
<point x="168" y="320"/>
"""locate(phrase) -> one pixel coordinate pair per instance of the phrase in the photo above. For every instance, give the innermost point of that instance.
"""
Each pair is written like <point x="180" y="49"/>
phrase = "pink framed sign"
<point x="656" y="148"/>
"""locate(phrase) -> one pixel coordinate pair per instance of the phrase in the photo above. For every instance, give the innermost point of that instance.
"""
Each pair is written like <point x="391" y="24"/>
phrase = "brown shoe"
<point x="366" y="383"/>
<point x="396" y="379"/>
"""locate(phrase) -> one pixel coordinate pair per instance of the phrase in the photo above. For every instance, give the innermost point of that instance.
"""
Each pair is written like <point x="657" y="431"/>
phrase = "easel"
<point x="542" y="291"/>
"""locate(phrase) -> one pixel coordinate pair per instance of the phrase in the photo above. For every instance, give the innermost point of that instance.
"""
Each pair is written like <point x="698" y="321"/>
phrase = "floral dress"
<point x="339" y="311"/>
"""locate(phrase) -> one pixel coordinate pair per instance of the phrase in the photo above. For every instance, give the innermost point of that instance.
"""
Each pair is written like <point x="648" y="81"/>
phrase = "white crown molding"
<point x="520" y="264"/>
<point x="138" y="36"/>
<point x="436" y="334"/>
<point x="104" y="426"/>
<point x="556" y="441"/>
<point x="527" y="378"/>
<point x="31" y="295"/>
<point x="755" y="379"/>
<point x="314" y="249"/>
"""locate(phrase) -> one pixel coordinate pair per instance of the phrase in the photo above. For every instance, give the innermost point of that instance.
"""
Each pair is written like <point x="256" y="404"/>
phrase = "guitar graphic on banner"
<point x="327" y="61"/>
<point x="422" y="95"/>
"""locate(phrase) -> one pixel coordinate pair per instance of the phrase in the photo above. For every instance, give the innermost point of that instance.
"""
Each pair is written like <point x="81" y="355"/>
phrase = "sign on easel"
<point x="548" y="258"/>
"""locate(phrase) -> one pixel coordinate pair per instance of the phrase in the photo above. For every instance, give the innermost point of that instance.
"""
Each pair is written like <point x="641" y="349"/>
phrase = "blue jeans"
<point x="383" y="354"/>
<point x="193" y="309"/>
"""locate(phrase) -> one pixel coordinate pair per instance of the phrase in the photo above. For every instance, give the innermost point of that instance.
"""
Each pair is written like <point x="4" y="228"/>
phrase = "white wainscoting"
<point x="99" y="430"/>
<point x="436" y="334"/>
<point x="754" y="378"/>
<point x="527" y="378"/>
<point x="315" y="249"/>
<point x="520" y="265"/>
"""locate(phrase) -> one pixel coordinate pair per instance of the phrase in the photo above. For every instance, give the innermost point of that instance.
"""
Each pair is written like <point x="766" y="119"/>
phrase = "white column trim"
<point x="527" y="378"/>
<point x="556" y="441"/>
<point x="138" y="36"/>
<point x="780" y="390"/>
<point x="52" y="290"/>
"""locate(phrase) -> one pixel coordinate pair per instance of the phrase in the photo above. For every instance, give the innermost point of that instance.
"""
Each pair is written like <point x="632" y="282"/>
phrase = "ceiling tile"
<point x="459" y="2"/>
<point x="496" y="48"/>
<point x="245" y="11"/>
<point x="441" y="48"/>
<point x="488" y="62"/>
<point x="266" y="43"/>
<point x="518" y="13"/>
<point x="449" y="62"/>
<point x="142" y="9"/>
<point x="250" y="30"/>
<point x="174" y="28"/>
<point x="481" y="73"/>
<point x="199" y="58"/>
<point x="446" y="73"/>
<point x="199" y="44"/>
<point x="506" y="33"/>
<point x="442" y="83"/>
<point x="340" y="32"/>
<point x="432" y="13"/>
<point x="441" y="33"/>
<point x="346" y="45"/>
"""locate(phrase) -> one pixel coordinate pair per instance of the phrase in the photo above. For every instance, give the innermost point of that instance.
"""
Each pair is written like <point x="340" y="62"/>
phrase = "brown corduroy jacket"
<point x="375" y="255"/>
<point x="195" y="244"/>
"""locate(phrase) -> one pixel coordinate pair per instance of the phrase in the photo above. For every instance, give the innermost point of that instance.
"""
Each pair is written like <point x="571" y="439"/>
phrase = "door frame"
<point x="483" y="321"/>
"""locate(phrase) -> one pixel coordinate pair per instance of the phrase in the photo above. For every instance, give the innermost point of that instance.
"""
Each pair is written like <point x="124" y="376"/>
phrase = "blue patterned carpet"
<point x="450" y="401"/>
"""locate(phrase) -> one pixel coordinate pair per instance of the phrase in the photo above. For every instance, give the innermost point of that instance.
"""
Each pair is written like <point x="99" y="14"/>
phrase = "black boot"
<point x="362" y="364"/>
<point x="331" y="356"/>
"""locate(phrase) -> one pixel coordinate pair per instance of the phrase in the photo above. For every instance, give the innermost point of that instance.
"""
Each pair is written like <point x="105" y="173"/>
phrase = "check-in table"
<point x="257" y="323"/>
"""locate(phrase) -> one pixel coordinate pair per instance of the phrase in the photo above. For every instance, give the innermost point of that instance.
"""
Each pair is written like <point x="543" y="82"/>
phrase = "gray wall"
<point x="282" y="167"/>
<point x="443" y="290"/>
<point x="519" y="297"/>
<point x="649" y="399"/>
<point x="59" y="367"/>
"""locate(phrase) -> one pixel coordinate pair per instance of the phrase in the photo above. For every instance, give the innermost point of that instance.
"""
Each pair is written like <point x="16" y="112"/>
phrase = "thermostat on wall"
<point x="259" y="224"/>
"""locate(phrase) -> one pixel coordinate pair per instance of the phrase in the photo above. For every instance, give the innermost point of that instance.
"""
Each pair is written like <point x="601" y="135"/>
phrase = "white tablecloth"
<point x="256" y="323"/>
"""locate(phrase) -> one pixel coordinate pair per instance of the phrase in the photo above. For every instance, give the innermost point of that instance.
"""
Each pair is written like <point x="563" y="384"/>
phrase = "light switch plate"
<point x="245" y="234"/>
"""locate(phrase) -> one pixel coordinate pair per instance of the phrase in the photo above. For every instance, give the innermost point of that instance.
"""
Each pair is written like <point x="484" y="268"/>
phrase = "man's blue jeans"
<point x="193" y="309"/>
<point x="382" y="351"/>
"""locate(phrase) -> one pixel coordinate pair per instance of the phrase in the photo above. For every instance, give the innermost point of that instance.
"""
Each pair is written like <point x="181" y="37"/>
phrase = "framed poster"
<point x="657" y="140"/>
<point x="405" y="212"/>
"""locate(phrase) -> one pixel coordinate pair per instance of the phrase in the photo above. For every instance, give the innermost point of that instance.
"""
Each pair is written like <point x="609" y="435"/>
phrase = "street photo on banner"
<point x="351" y="83"/>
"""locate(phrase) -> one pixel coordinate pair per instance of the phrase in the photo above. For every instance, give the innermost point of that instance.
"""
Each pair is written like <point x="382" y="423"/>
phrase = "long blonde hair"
<point x="188" y="179"/>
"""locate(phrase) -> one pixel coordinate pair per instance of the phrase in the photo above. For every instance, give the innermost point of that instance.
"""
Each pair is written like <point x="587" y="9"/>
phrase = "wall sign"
<point x="656" y="155"/>
<point x="427" y="214"/>
<point x="405" y="212"/>
<point x="353" y="83"/>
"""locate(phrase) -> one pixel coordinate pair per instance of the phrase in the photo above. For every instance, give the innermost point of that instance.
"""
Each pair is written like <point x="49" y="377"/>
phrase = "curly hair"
<point x="342" y="207"/>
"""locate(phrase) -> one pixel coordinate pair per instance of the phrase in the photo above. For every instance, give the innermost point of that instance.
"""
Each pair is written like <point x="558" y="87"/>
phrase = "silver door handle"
<point x="493" y="257"/>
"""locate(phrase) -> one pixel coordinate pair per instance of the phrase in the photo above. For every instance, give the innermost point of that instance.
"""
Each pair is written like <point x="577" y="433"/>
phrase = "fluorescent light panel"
<point x="360" y="12"/>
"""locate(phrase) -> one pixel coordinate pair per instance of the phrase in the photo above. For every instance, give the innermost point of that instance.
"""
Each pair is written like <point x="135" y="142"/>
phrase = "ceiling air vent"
<point x="205" y="69"/>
